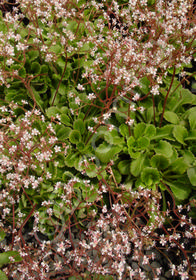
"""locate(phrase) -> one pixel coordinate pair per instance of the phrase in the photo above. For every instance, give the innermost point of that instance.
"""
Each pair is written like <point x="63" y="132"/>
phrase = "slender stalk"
<point x="165" y="101"/>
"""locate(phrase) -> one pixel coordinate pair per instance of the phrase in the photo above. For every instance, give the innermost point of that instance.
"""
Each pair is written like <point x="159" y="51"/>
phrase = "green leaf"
<point x="137" y="165"/>
<point x="56" y="48"/>
<point x="91" y="170"/>
<point x="191" y="136"/>
<point x="171" y="117"/>
<point x="62" y="90"/>
<point x="106" y="152"/>
<point x="35" y="68"/>
<point x="21" y="70"/>
<point x="139" y="130"/>
<point x="132" y="148"/>
<point x="150" y="176"/>
<point x="124" y="167"/>
<point x="113" y="138"/>
<point x="33" y="54"/>
<point x="150" y="131"/>
<point x="67" y="176"/>
<point x="178" y="166"/>
<point x="52" y="111"/>
<point x="192" y="120"/>
<point x="149" y="114"/>
<point x="164" y="132"/>
<point x="124" y="130"/>
<point x="4" y="257"/>
<point x="79" y="125"/>
<point x="188" y="157"/>
<point x="65" y="119"/>
<point x="75" y="136"/>
<point x="143" y="143"/>
<point x="187" y="96"/>
<point x="2" y="235"/>
<point x="44" y="69"/>
<point x="191" y="172"/>
<point x="62" y="132"/>
<point x="3" y="276"/>
<point x="71" y="159"/>
<point x="160" y="162"/>
<point x="180" y="133"/>
<point x="117" y="175"/>
<point x="164" y="148"/>
<point x="179" y="190"/>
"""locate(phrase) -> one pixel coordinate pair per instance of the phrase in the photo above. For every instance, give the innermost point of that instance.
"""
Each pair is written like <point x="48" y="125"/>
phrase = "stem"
<point x="60" y="81"/>
<point x="25" y="221"/>
<point x="153" y="107"/>
<point x="165" y="101"/>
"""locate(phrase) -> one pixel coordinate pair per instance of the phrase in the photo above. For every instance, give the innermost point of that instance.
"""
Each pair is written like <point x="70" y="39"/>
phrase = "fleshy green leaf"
<point x="62" y="132"/>
<point x="124" y="130"/>
<point x="65" y="119"/>
<point x="178" y="166"/>
<point x="180" y="133"/>
<point x="35" y="68"/>
<point x="188" y="156"/>
<point x="171" y="117"/>
<point x="191" y="136"/>
<point x="164" y="148"/>
<point x="160" y="162"/>
<point x="70" y="159"/>
<point x="143" y="143"/>
<point x="75" y="136"/>
<point x="137" y="165"/>
<point x="150" y="131"/>
<point x="106" y="152"/>
<point x="192" y="120"/>
<point x="56" y="48"/>
<point x="3" y="276"/>
<point x="150" y="176"/>
<point x="2" y="235"/>
<point x="52" y="111"/>
<point x="191" y="172"/>
<point x="113" y="138"/>
<point x="79" y="125"/>
<point x="164" y="132"/>
<point x="67" y="176"/>
<point x="91" y="170"/>
<point x="124" y="167"/>
<point x="4" y="257"/>
<point x="33" y="54"/>
<point x="179" y="190"/>
<point x="139" y="130"/>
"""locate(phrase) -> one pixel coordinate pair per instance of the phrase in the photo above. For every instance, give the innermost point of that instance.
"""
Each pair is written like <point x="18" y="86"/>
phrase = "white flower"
<point x="10" y="62"/>
<point x="136" y="97"/>
<point x="154" y="90"/>
<point x="91" y="96"/>
<point x="57" y="149"/>
<point x="80" y="87"/>
<point x="106" y="116"/>
<point x="130" y="122"/>
<point x="77" y="100"/>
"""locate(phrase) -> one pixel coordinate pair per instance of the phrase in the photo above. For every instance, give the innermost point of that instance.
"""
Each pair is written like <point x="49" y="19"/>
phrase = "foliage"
<point x="7" y="257"/>
<point x="97" y="131"/>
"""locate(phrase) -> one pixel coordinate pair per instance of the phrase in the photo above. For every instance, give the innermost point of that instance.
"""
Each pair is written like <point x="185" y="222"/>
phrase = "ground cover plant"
<point x="97" y="140"/>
